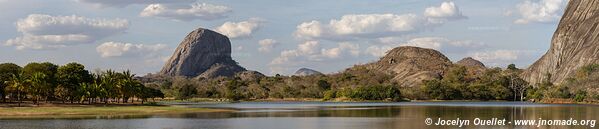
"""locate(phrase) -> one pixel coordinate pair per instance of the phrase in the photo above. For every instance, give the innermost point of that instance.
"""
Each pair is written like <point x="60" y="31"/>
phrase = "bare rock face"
<point x="473" y="66"/>
<point x="205" y="53"/>
<point x="411" y="65"/>
<point x="470" y="62"/>
<point x="575" y="43"/>
<point x="307" y="72"/>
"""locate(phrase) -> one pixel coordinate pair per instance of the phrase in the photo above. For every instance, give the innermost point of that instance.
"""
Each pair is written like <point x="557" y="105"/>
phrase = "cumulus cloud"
<point x="118" y="49"/>
<point x="197" y="10"/>
<point x="124" y="3"/>
<point x="377" y="25"/>
<point x="241" y="29"/>
<point x="362" y="25"/>
<point x="447" y="10"/>
<point x="44" y="31"/>
<point x="540" y="11"/>
<point x="444" y="45"/>
<point x="312" y="51"/>
<point x="266" y="45"/>
<point x="503" y="57"/>
<point x="341" y="50"/>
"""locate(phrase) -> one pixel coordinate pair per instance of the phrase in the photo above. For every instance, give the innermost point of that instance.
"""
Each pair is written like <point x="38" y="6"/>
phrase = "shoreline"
<point x="122" y="111"/>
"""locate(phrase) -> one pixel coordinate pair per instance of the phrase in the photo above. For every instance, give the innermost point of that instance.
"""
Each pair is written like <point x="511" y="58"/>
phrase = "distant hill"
<point x="307" y="72"/>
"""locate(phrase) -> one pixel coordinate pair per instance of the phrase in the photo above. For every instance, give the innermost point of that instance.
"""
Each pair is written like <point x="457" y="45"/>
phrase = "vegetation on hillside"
<point x="580" y="88"/>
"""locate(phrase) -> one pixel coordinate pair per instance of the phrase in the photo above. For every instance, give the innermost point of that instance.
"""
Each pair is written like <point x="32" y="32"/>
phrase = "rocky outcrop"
<point x="307" y="72"/>
<point x="411" y="65"/>
<point x="470" y="62"/>
<point x="575" y="43"/>
<point x="202" y="53"/>
<point x="249" y="75"/>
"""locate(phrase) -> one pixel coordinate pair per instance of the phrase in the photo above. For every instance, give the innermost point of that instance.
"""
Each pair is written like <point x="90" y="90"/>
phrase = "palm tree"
<point x="39" y="84"/>
<point x="18" y="82"/>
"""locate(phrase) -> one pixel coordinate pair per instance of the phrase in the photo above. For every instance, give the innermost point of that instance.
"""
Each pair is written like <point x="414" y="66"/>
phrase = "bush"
<point x="580" y="95"/>
<point x="436" y="89"/>
<point x="376" y="92"/>
<point x="330" y="94"/>
<point x="558" y="92"/>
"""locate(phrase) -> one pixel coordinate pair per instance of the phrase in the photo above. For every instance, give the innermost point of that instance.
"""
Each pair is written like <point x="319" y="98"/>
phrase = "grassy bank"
<point x="95" y="111"/>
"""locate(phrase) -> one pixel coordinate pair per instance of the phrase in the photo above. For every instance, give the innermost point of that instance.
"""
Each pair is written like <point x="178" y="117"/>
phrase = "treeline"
<point x="356" y="83"/>
<point x="489" y="84"/>
<point x="47" y="82"/>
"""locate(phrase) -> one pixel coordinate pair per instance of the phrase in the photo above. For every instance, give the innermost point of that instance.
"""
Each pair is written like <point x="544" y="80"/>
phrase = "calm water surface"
<point x="325" y="115"/>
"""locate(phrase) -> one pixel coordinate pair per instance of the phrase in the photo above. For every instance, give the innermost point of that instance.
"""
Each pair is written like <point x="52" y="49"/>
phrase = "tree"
<point x="512" y="67"/>
<point x="231" y="91"/>
<point x="436" y="89"/>
<point x="7" y="70"/>
<point x="39" y="86"/>
<point x="18" y="82"/>
<point x="71" y="76"/>
<point x="516" y="84"/>
<point x="324" y="84"/>
<point x="49" y="77"/>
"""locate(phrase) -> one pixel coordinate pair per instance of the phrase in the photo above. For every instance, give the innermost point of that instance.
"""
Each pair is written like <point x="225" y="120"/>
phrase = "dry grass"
<point x="74" y="112"/>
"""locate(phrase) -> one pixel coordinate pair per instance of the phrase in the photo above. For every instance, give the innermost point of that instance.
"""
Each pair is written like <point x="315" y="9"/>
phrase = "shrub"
<point x="330" y="94"/>
<point x="376" y="92"/>
<point x="580" y="95"/>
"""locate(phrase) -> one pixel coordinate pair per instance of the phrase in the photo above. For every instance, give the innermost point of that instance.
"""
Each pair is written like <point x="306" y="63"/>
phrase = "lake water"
<point x="329" y="115"/>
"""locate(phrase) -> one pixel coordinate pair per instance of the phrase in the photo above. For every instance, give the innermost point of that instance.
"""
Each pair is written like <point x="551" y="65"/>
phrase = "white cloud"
<point x="266" y="45"/>
<point x="196" y="11"/>
<point x="354" y="26"/>
<point x="447" y="10"/>
<point x="363" y="25"/>
<point x="46" y="41"/>
<point x="541" y="11"/>
<point x="377" y="50"/>
<point x="341" y="50"/>
<point x="426" y="42"/>
<point x="118" y="49"/>
<point x="124" y="3"/>
<point x="502" y="55"/>
<point x="444" y="45"/>
<point x="239" y="29"/>
<point x="44" y="31"/>
<point x="312" y="51"/>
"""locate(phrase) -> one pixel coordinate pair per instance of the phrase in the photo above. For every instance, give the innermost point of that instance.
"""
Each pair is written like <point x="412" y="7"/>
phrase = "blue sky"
<point x="274" y="36"/>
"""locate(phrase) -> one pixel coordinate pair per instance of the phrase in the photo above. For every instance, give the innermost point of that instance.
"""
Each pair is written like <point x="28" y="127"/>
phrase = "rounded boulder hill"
<point x="202" y="52"/>
<point x="307" y="72"/>
<point x="410" y="65"/>
<point x="470" y="62"/>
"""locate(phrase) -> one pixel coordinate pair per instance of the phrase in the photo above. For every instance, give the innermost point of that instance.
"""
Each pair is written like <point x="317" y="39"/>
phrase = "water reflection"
<point x="329" y="116"/>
